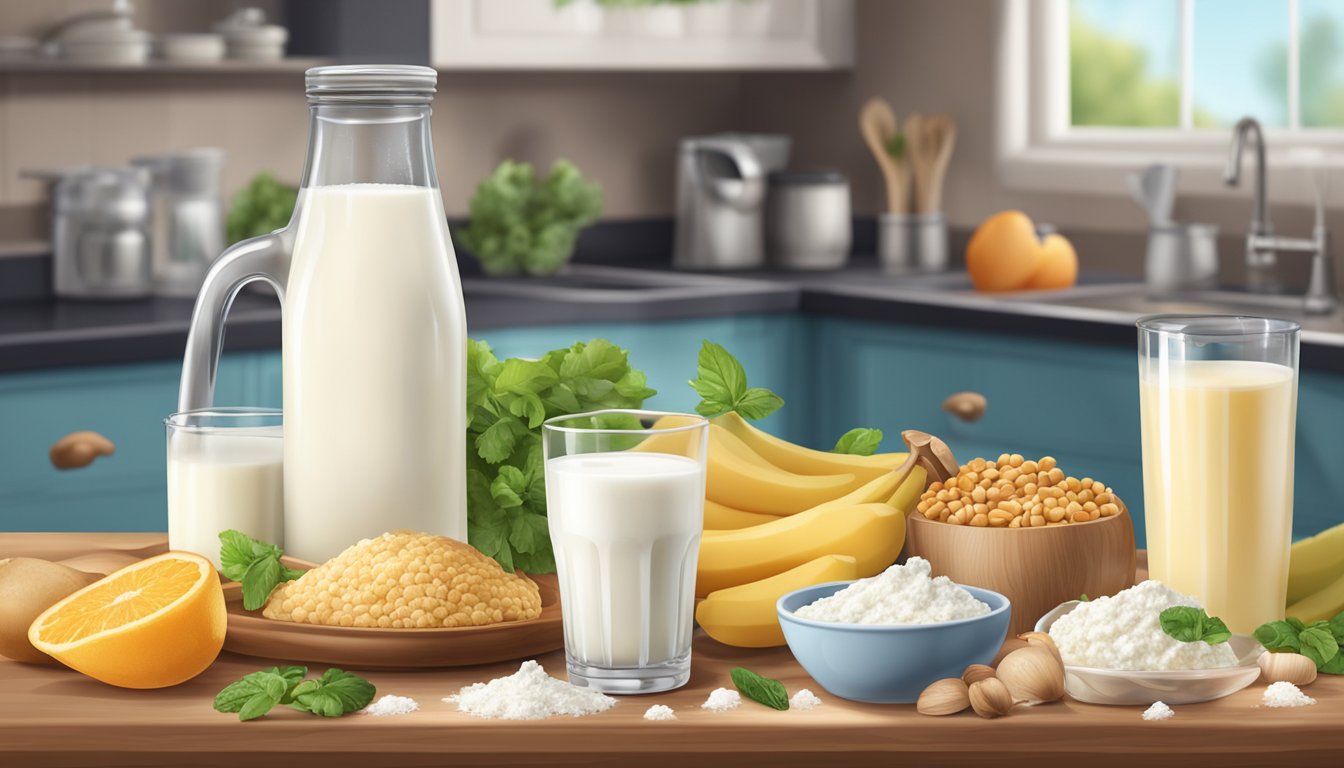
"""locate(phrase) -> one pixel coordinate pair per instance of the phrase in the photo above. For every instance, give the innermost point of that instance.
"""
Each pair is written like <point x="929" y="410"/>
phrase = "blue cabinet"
<point x="1075" y="401"/>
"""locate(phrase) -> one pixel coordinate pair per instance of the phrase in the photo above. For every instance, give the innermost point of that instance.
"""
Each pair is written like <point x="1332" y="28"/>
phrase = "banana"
<point x="879" y="489"/>
<point x="1315" y="563"/>
<point x="1322" y="605"/>
<point x="721" y="518"/>
<point x="745" y="615"/>
<point x="912" y="487"/>
<point x="806" y="461"/>
<point x="870" y="533"/>
<point x="735" y="482"/>
<point x="722" y="440"/>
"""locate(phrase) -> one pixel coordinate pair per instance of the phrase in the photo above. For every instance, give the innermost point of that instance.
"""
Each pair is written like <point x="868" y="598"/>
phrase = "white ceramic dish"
<point x="1177" y="686"/>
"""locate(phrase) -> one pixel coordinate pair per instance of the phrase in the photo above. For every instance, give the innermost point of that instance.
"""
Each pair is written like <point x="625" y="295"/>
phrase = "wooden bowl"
<point x="1037" y="568"/>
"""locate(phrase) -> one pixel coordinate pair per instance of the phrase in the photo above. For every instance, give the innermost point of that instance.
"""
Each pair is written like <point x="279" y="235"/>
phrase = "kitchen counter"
<point x="51" y="716"/>
<point x="47" y="333"/>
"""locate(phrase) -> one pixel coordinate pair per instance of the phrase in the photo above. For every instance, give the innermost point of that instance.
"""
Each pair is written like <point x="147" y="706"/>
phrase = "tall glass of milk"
<point x="625" y="496"/>
<point x="1218" y="409"/>
<point x="225" y="471"/>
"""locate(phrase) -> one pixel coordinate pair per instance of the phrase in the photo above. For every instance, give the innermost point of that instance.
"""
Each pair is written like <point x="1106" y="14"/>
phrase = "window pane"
<point x="1322" y="67"/>
<point x="1240" y="62"/>
<point x="1124" y="62"/>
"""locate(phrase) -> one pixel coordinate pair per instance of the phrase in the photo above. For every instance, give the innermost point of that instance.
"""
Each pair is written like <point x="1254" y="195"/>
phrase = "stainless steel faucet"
<point x="1262" y="246"/>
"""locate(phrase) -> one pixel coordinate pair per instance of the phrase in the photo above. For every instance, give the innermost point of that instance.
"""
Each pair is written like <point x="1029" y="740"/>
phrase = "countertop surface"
<point x="52" y="716"/>
<point x="48" y="333"/>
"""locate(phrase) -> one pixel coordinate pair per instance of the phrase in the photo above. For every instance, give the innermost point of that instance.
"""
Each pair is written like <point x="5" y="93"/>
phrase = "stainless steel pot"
<point x="807" y="220"/>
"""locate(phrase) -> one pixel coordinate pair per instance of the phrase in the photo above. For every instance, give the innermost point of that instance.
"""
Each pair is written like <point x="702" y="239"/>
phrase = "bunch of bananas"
<point x="780" y="517"/>
<point x="1316" y="576"/>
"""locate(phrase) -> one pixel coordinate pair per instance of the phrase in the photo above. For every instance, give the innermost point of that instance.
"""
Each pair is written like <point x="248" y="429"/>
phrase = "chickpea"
<point x="978" y="495"/>
<point x="980" y="521"/>
<point x="1046" y="463"/>
<point x="1016" y="460"/>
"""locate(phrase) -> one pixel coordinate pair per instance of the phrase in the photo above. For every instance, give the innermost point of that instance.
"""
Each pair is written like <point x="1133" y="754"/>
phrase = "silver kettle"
<point x="721" y="185"/>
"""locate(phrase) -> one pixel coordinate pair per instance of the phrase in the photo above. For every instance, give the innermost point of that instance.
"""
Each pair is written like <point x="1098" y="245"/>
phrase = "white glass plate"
<point x="1176" y="686"/>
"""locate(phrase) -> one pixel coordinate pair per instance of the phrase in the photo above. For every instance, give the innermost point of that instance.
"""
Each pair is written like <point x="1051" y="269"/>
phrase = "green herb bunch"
<point x="1321" y="641"/>
<point x="254" y="564"/>
<point x="1191" y="625"/>
<point x="522" y="224"/>
<point x="260" y="208"/>
<point x="506" y="403"/>
<point x="334" y="694"/>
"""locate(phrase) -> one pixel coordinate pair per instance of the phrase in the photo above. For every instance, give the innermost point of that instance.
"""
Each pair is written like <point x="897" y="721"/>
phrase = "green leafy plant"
<point x="507" y="400"/>
<point x="721" y="382"/>
<point x="1320" y="641"/>
<point x="254" y="564"/>
<point x="1191" y="625"/>
<point x="522" y="224"/>
<point x="860" y="441"/>
<point x="260" y="208"/>
<point x="336" y="693"/>
<point x="764" y="690"/>
<point x="896" y="146"/>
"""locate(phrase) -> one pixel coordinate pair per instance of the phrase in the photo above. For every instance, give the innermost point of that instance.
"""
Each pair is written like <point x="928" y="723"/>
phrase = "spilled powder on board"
<point x="529" y="694"/>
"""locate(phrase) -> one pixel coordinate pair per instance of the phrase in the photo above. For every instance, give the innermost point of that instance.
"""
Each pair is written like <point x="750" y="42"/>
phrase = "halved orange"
<point x="153" y="624"/>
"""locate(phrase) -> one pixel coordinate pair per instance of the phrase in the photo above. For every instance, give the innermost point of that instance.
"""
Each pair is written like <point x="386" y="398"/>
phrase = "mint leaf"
<point x="509" y="487"/>
<point x="860" y="441"/>
<point x="528" y="533"/>
<point x="261" y="577"/>
<point x="1189" y="625"/>
<point x="1083" y="598"/>
<point x="721" y="383"/>
<point x="1318" y="644"/>
<point x="235" y="554"/>
<point x="1334" y="666"/>
<point x="253" y="695"/>
<point x="1278" y="636"/>
<point x="496" y="443"/>
<point x="336" y="693"/>
<point x="764" y="690"/>
<point x="1337" y="628"/>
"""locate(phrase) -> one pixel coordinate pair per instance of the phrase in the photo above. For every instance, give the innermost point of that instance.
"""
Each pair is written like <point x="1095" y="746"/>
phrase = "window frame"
<point x="1038" y="149"/>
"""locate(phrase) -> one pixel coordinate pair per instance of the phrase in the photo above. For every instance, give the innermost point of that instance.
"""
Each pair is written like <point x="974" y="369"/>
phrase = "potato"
<point x="27" y="588"/>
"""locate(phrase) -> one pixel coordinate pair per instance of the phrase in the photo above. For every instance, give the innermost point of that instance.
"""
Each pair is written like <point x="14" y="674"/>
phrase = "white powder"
<point x="1125" y="632"/>
<point x="529" y="694"/>
<point x="1159" y="711"/>
<point x="804" y="700"/>
<point x="1285" y="694"/>
<point x="722" y="700"/>
<point x="660" y="712"/>
<point x="392" y="705"/>
<point x="902" y="594"/>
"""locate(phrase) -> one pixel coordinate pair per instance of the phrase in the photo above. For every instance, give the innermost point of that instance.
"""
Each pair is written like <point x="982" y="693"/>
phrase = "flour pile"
<point x="529" y="694"/>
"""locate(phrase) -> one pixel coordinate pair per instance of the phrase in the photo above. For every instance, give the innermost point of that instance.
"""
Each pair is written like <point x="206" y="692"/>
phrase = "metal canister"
<point x="807" y="220"/>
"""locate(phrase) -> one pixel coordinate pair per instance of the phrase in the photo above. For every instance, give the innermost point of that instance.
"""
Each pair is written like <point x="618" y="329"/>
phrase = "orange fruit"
<point x="1059" y="265"/>
<point x="153" y="624"/>
<point x="1003" y="253"/>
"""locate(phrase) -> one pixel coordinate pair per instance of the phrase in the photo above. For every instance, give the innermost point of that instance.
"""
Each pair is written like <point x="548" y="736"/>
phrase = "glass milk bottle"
<point x="374" y="327"/>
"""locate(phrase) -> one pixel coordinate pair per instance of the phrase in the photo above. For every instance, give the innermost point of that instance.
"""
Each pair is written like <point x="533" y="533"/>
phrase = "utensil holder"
<point x="1182" y="257"/>
<point x="912" y="243"/>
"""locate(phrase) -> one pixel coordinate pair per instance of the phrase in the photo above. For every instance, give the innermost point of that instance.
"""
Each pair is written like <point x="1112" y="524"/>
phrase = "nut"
<point x="990" y="698"/>
<point x="1044" y="640"/>
<point x="1287" y="667"/>
<point x="976" y="673"/>
<point x="1033" y="675"/>
<point x="1009" y="645"/>
<point x="944" y="697"/>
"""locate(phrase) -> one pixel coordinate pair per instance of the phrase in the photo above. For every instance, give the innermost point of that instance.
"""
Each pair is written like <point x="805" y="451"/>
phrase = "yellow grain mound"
<point x="406" y="580"/>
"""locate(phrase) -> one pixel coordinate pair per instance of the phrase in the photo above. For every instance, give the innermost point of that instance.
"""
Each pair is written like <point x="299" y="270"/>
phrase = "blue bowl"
<point x="889" y="664"/>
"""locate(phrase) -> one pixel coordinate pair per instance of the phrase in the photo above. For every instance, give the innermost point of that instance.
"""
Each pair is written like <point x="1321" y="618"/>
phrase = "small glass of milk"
<point x="225" y="471"/>
<point x="625" y="497"/>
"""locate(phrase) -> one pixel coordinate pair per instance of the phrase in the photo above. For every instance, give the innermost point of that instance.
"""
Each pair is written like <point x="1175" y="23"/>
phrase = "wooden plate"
<point x="358" y="648"/>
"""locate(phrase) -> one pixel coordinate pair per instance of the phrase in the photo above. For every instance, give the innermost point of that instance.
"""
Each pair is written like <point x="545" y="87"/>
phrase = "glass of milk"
<point x="225" y="471"/>
<point x="625" y="497"/>
<point x="1218" y="409"/>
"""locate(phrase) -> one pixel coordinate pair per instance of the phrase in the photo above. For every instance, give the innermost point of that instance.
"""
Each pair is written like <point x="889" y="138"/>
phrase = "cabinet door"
<point x="770" y="347"/>
<point x="1318" y="482"/>
<point x="1076" y="402"/>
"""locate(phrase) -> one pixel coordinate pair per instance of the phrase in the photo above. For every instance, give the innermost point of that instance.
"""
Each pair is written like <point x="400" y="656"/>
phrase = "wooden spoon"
<point x="943" y="135"/>
<point x="877" y="123"/>
<point x="921" y="157"/>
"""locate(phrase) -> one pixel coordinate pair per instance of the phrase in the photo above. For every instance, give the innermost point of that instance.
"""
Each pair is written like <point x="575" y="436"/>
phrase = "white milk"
<point x="626" y="531"/>
<point x="374" y="370"/>
<point x="230" y="478"/>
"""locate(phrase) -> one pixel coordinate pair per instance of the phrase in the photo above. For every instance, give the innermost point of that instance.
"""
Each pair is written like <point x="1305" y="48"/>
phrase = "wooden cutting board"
<point x="54" y="717"/>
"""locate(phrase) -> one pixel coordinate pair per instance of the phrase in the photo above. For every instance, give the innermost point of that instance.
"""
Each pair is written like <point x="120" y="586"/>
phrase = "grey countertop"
<point x="47" y="333"/>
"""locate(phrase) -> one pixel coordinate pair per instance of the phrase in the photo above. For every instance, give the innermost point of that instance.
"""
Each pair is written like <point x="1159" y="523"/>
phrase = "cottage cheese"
<point x="902" y="594"/>
<point x="1159" y="711"/>
<point x="1124" y="632"/>
<point x="1285" y="694"/>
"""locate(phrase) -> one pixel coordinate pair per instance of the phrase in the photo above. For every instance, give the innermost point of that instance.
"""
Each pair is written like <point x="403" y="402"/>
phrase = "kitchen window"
<point x="1090" y="90"/>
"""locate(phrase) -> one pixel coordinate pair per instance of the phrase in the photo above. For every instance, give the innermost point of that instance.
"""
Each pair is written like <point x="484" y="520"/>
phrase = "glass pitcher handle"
<point x="260" y="258"/>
